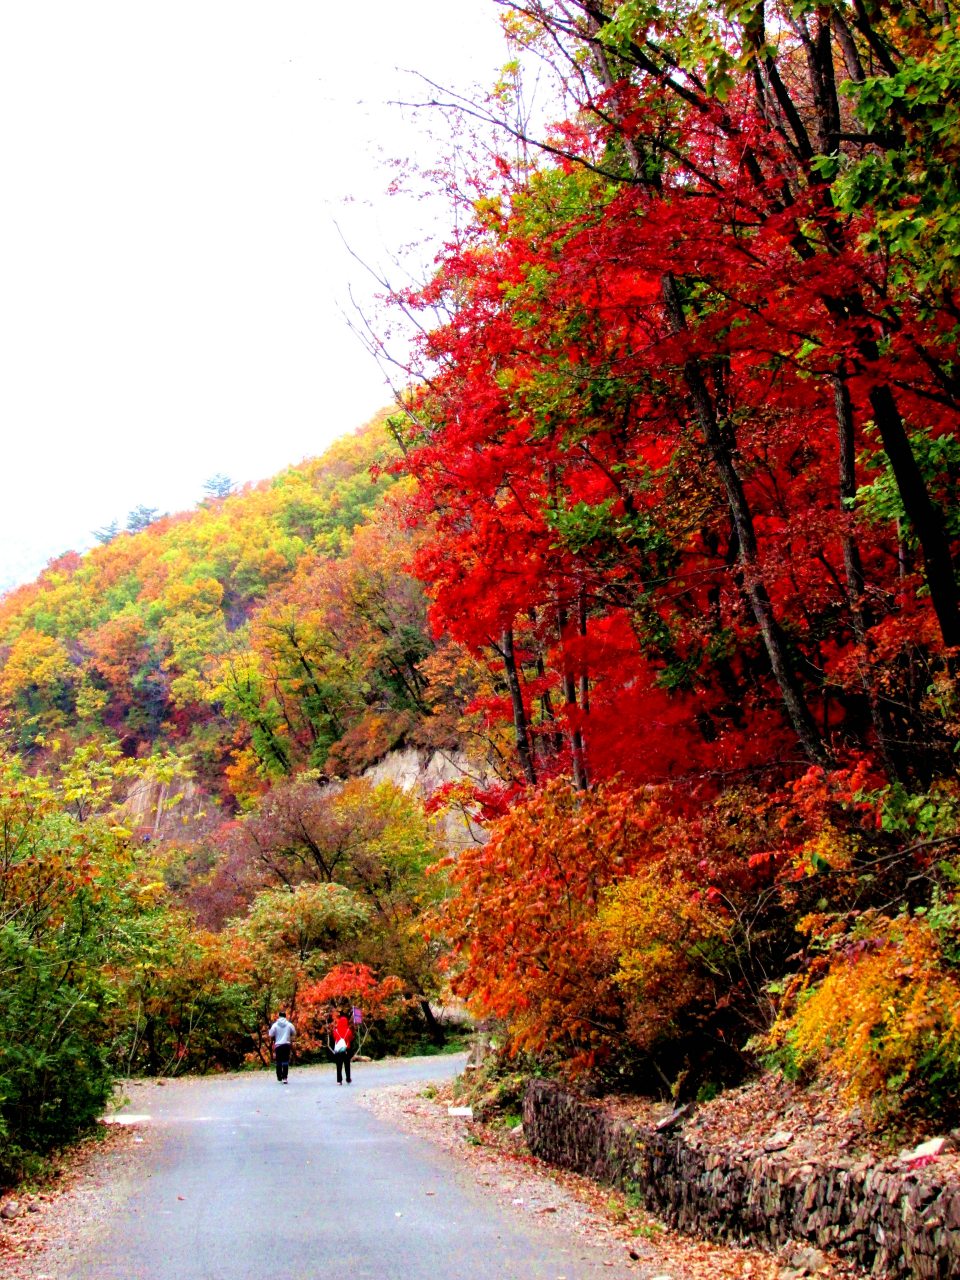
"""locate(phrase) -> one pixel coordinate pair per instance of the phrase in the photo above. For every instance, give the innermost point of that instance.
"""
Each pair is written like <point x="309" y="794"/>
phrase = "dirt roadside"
<point x="502" y="1164"/>
<point x="50" y="1217"/>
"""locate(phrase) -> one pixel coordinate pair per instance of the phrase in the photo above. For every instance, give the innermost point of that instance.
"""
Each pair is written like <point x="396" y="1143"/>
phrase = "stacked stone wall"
<point x="893" y="1222"/>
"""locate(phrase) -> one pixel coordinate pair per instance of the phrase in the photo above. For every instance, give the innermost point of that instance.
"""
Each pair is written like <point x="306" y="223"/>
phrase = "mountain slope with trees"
<point x="663" y="533"/>
<point x="214" y="669"/>
<point x="170" y="636"/>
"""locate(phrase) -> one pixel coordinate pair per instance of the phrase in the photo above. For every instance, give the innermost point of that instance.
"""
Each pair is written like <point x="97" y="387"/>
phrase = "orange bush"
<point x="355" y="985"/>
<point x="523" y="919"/>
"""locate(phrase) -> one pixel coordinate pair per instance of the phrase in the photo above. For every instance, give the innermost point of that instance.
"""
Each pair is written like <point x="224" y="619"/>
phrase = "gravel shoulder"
<point x="502" y="1164"/>
<point x="66" y="1208"/>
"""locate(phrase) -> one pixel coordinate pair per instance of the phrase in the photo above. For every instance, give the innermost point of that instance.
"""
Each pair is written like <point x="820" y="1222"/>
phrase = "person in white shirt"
<point x="282" y="1035"/>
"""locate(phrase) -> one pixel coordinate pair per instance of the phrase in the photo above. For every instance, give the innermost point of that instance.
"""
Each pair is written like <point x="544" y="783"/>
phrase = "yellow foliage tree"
<point x="669" y="948"/>
<point x="36" y="675"/>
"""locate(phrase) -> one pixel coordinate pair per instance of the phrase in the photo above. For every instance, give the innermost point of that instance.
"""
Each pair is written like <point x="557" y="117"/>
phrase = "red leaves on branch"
<point x="647" y="494"/>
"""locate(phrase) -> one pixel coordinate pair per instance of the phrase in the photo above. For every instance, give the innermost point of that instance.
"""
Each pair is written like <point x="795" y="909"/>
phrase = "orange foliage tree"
<point x="344" y="988"/>
<point x="521" y="923"/>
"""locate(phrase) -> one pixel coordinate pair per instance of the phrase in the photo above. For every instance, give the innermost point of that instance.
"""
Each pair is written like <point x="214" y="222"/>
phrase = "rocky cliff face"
<point x="181" y="810"/>
<point x="169" y="810"/>
<point x="413" y="770"/>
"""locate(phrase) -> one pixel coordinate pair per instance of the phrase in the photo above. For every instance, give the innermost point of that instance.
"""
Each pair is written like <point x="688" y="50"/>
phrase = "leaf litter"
<point x="577" y="1205"/>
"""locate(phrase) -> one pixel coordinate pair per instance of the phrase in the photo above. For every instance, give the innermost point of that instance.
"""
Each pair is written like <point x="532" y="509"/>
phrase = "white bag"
<point x="340" y="1046"/>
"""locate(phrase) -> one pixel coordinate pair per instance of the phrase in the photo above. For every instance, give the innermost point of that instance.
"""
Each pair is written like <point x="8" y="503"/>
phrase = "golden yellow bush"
<point x="885" y="1020"/>
<point x="667" y="944"/>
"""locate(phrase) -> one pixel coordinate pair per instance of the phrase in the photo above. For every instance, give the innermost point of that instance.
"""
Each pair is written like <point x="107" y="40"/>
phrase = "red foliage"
<point x="522" y="919"/>
<point x="347" y="987"/>
<point x="627" y="456"/>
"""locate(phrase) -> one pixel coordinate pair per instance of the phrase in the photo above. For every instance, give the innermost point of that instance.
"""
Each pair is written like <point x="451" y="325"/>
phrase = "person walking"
<point x="282" y="1035"/>
<point x="342" y="1046"/>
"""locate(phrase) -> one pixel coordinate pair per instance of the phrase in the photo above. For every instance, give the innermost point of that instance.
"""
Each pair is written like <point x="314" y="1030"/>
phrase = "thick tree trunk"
<point x="434" y="1029"/>
<point x="923" y="514"/>
<point x="853" y="561"/>
<point x="818" y="47"/>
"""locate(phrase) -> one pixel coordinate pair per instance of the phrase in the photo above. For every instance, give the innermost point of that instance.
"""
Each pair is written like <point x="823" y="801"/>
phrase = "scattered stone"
<point x="674" y="1118"/>
<point x="808" y="1261"/>
<point x="11" y="1209"/>
<point x="778" y="1141"/>
<point x="33" y="1207"/>
<point x="926" y="1151"/>
<point x="465" y="1113"/>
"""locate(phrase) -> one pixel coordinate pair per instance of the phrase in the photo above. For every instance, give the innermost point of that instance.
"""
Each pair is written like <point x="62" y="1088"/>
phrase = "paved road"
<point x="240" y="1177"/>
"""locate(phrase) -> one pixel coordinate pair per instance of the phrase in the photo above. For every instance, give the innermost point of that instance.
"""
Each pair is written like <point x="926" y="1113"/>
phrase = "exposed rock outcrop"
<point x="181" y="809"/>
<point x="426" y="772"/>
<point x="168" y="810"/>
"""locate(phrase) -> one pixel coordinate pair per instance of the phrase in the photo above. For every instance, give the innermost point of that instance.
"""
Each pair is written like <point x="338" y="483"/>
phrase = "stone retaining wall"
<point x="894" y="1223"/>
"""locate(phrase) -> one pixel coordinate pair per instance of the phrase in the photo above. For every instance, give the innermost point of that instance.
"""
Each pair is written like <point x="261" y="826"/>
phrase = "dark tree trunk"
<point x="853" y="561"/>
<point x="434" y="1029"/>
<point x="721" y="448"/>
<point x="924" y="515"/>
<point x="520" y="725"/>
<point x="570" y="701"/>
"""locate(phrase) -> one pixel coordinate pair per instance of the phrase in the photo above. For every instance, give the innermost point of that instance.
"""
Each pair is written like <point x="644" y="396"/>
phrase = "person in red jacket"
<point x="342" y="1045"/>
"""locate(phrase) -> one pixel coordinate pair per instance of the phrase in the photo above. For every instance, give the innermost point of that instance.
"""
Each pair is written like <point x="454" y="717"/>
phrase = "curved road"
<point x="239" y="1177"/>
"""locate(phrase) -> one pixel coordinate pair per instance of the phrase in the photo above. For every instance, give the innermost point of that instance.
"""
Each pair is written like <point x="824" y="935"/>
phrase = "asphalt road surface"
<point x="240" y="1177"/>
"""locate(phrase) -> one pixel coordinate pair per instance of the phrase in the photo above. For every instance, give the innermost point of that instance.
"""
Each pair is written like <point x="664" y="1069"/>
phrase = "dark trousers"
<point x="282" y="1053"/>
<point x="342" y="1060"/>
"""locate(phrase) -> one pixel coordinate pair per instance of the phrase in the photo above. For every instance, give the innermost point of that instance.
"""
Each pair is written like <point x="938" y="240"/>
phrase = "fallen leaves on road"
<point x="41" y="1208"/>
<point x="599" y="1214"/>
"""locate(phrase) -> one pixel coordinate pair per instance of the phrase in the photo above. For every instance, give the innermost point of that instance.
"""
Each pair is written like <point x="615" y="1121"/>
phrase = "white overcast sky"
<point x="171" y="278"/>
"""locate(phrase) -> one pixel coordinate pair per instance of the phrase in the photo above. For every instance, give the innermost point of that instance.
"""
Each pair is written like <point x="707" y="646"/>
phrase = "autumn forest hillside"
<point x="660" y="545"/>
<point x="160" y="638"/>
<point x="174" y="862"/>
